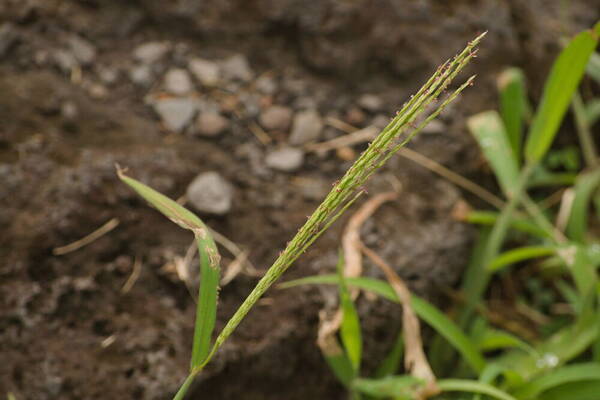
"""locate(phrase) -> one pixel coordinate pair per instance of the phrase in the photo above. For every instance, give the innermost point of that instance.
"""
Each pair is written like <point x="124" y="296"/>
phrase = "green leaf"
<point x="583" y="390"/>
<point x="494" y="339"/>
<point x="341" y="366"/>
<point x="428" y="313"/>
<point x="514" y="106"/>
<point x="463" y="385"/>
<point x="350" y="332"/>
<point x="580" y="266"/>
<point x="488" y="130"/>
<point x="521" y="224"/>
<point x="401" y="387"/>
<point x="586" y="184"/>
<point x="209" y="264"/>
<point x="391" y="363"/>
<point x="560" y="376"/>
<point x="592" y="111"/>
<point x="566" y="73"/>
<point x="517" y="255"/>
<point x="593" y="67"/>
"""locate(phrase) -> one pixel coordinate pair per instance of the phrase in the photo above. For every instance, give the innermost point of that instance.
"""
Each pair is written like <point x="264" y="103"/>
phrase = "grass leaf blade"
<point x="566" y="73"/>
<point x="209" y="263"/>
<point x="489" y="131"/>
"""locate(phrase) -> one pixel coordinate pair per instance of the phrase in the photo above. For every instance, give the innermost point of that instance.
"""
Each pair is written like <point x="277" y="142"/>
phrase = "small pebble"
<point x="355" y="116"/>
<point x="306" y="128"/>
<point x="434" y="127"/>
<point x="237" y="68"/>
<point x="151" y="52"/>
<point x="285" y="159"/>
<point x="211" y="193"/>
<point x="266" y="84"/>
<point x="178" y="81"/>
<point x="141" y="75"/>
<point x="276" y="117"/>
<point x="206" y="72"/>
<point x="175" y="113"/>
<point x="82" y="50"/>
<point x="8" y="38"/>
<point x="211" y="124"/>
<point x="370" y="102"/>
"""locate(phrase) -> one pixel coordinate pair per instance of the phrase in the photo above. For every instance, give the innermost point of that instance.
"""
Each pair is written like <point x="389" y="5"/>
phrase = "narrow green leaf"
<point x="560" y="376"/>
<point x="582" y="390"/>
<point x="514" y="106"/>
<point x="520" y="254"/>
<point x="494" y="339"/>
<point x="592" y="111"/>
<point x="350" y="332"/>
<point x="566" y="73"/>
<point x="580" y="266"/>
<point x="542" y="177"/>
<point x="463" y="385"/>
<point x="593" y="67"/>
<point x="402" y="387"/>
<point x="341" y="366"/>
<point x="586" y="184"/>
<point x="428" y="313"/>
<point x="209" y="264"/>
<point x="391" y="363"/>
<point x="521" y="224"/>
<point x="488" y="130"/>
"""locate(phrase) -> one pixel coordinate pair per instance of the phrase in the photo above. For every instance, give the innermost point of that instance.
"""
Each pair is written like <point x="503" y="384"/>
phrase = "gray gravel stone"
<point x="8" y="38"/>
<point x="370" y="102"/>
<point x="175" y="113"/>
<point x="151" y="52"/>
<point x="211" y="193"/>
<point x="285" y="159"/>
<point x="141" y="75"/>
<point x="237" y="68"/>
<point x="307" y="127"/>
<point x="206" y="72"/>
<point x="434" y="127"/>
<point x="65" y="60"/>
<point x="211" y="124"/>
<point x="276" y="117"/>
<point x="82" y="50"/>
<point x="178" y="81"/>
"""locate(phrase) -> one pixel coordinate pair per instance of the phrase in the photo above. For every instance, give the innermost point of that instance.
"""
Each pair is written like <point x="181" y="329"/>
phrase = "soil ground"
<point x="77" y="96"/>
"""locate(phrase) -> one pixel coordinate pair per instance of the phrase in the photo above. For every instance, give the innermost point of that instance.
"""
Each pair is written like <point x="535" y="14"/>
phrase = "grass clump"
<point x="408" y="122"/>
<point x="497" y="358"/>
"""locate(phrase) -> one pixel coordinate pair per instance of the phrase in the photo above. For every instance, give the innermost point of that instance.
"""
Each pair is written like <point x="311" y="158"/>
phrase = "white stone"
<point x="211" y="193"/>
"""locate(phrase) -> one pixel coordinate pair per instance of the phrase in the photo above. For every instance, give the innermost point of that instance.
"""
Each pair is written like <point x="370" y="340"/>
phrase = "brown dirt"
<point x="57" y="181"/>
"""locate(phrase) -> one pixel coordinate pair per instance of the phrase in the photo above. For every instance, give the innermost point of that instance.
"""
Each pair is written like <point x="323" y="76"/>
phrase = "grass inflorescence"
<point x="407" y="123"/>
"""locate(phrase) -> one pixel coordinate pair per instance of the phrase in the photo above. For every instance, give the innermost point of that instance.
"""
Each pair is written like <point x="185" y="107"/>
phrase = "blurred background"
<point x="220" y="103"/>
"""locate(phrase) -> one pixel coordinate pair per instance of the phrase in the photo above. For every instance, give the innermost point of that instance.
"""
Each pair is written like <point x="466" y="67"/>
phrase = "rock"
<point x="206" y="72"/>
<point x="306" y="128"/>
<point x="276" y="117"/>
<point x="108" y="75"/>
<point x="178" y="81"/>
<point x="211" y="124"/>
<point x="370" y="102"/>
<point x="355" y="116"/>
<point x="434" y="127"/>
<point x="141" y="75"/>
<point x="82" y="50"/>
<point x="8" y="38"/>
<point x="211" y="193"/>
<point x="65" y="60"/>
<point x="151" y="52"/>
<point x="285" y="159"/>
<point x="175" y="113"/>
<point x="266" y="84"/>
<point x="237" y="68"/>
